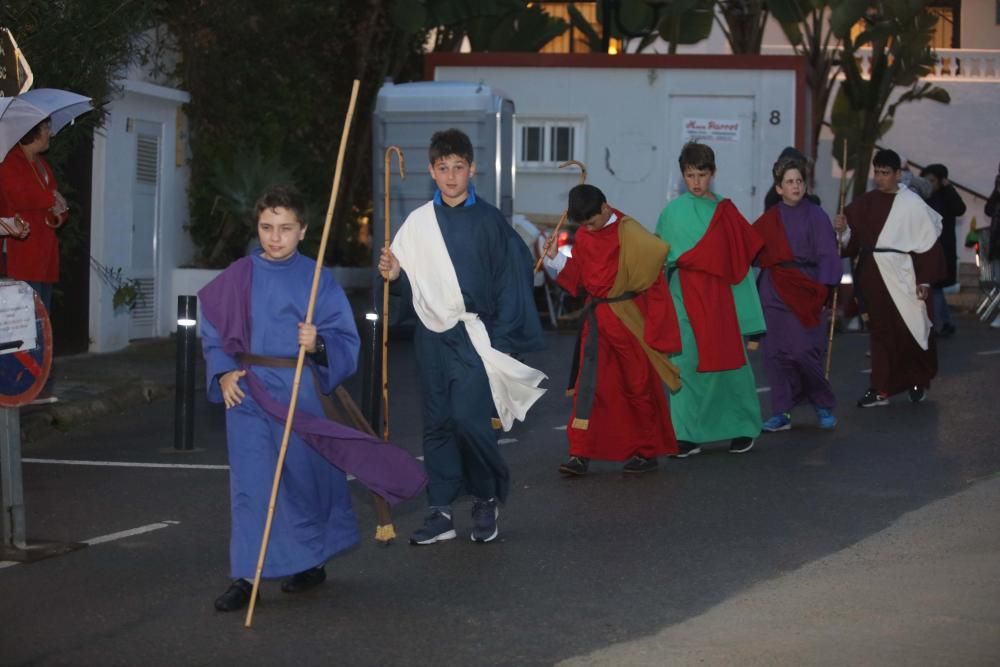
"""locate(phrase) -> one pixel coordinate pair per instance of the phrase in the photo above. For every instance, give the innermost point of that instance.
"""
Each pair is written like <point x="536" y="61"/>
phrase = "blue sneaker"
<point x="826" y="418"/>
<point x="484" y="520"/>
<point x="437" y="527"/>
<point x="779" y="422"/>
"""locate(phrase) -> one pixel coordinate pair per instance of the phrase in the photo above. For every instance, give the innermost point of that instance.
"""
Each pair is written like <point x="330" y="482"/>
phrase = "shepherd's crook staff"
<point x="833" y="303"/>
<point x="302" y="351"/>
<point x="555" y="234"/>
<point x="385" y="532"/>
<point x="385" y="289"/>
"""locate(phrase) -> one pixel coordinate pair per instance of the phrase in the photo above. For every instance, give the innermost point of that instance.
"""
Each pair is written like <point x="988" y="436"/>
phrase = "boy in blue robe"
<point x="252" y="327"/>
<point x="455" y="261"/>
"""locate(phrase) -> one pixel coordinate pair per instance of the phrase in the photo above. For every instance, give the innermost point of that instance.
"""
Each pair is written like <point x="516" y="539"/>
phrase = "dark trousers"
<point x="461" y="454"/>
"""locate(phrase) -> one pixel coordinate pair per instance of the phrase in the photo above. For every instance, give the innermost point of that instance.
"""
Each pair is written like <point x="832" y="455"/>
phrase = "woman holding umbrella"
<point x="28" y="189"/>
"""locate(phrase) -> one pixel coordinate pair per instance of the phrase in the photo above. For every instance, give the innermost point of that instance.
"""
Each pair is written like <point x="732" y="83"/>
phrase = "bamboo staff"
<point x="562" y="219"/>
<point x="302" y="352"/>
<point x="385" y="532"/>
<point x="385" y="288"/>
<point x="836" y="290"/>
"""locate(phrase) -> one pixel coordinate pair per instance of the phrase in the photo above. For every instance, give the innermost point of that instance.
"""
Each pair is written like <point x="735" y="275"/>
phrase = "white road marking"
<point x="988" y="352"/>
<point x="867" y="371"/>
<point x="506" y="441"/>
<point x="128" y="464"/>
<point x="122" y="534"/>
<point x="112" y="537"/>
<point x="560" y="428"/>
<point x="761" y="390"/>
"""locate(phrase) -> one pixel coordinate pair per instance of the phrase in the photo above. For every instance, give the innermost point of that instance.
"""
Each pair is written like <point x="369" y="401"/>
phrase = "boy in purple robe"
<point x="252" y="327"/>
<point x="800" y="264"/>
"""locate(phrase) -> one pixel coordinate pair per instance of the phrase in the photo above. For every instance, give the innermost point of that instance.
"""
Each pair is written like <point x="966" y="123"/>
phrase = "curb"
<point x="64" y="416"/>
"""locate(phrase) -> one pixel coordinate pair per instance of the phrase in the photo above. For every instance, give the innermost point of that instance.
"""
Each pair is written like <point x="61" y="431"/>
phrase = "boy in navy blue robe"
<point x="454" y="261"/>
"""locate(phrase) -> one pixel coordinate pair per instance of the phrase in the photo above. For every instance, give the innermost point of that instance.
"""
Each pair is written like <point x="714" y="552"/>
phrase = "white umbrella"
<point x="61" y="106"/>
<point x="19" y="114"/>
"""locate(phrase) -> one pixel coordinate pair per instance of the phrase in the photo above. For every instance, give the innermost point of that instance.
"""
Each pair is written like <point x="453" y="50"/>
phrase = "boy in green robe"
<point x="708" y="272"/>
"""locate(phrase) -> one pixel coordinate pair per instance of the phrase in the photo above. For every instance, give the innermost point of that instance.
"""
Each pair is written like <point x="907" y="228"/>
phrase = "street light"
<point x="187" y="329"/>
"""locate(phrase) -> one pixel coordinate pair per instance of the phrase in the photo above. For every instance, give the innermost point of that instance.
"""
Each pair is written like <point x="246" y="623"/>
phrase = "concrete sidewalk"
<point x="924" y="591"/>
<point x="90" y="386"/>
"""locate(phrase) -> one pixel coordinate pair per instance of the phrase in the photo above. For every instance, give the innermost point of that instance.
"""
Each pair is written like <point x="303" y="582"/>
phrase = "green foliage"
<point x="743" y="23"/>
<point x="79" y="46"/>
<point x="127" y="291"/>
<point x="490" y="25"/>
<point x="675" y="21"/>
<point x="898" y="32"/>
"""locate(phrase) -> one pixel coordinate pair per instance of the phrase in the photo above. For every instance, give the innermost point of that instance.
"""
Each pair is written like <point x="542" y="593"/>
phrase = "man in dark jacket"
<point x="945" y="200"/>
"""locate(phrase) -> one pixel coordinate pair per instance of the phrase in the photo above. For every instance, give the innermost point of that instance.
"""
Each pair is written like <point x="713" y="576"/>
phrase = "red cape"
<point x="803" y="295"/>
<point x="708" y="271"/>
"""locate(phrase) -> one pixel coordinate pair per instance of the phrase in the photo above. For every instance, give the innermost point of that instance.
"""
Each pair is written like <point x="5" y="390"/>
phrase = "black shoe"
<point x="484" y="520"/>
<point x="740" y="445"/>
<point x="236" y="596"/>
<point x="303" y="581"/>
<point x="872" y="399"/>
<point x="686" y="449"/>
<point x="947" y="331"/>
<point x="576" y="466"/>
<point x="639" y="464"/>
<point x="917" y="394"/>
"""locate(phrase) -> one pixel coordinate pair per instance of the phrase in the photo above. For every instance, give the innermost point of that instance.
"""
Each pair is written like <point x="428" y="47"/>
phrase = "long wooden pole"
<point x="385" y="288"/>
<point x="836" y="290"/>
<point x="562" y="219"/>
<point x="302" y="352"/>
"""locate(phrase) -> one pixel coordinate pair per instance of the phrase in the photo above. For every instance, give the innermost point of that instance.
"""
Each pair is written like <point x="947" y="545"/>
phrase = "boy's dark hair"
<point x="887" y="158"/>
<point x="786" y="164"/>
<point x="939" y="170"/>
<point x="584" y="202"/>
<point x="450" y="142"/>
<point x="284" y="196"/>
<point x="698" y="156"/>
<point x="33" y="133"/>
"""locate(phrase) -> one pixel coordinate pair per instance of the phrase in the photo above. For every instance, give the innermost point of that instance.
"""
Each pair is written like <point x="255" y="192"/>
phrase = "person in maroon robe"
<point x="894" y="235"/>
<point x="620" y="411"/>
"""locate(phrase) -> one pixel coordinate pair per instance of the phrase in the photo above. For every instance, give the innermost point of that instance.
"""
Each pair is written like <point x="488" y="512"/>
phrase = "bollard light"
<point x="187" y="329"/>
<point x="371" y="386"/>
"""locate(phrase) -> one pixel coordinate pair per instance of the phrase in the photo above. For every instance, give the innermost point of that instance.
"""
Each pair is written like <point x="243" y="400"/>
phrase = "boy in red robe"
<point x="620" y="412"/>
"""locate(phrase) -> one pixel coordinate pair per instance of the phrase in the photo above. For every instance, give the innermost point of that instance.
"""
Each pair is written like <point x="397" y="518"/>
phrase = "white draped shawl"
<point x="912" y="226"/>
<point x="437" y="298"/>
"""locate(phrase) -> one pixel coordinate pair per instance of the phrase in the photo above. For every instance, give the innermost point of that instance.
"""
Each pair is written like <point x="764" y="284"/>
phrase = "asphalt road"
<point x="587" y="565"/>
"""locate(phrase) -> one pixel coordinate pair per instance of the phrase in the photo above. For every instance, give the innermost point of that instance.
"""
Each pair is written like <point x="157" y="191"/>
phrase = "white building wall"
<point x="111" y="212"/>
<point x="626" y="115"/>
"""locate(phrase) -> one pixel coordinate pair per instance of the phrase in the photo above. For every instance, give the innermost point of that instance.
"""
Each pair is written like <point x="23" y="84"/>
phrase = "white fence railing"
<point x="952" y="65"/>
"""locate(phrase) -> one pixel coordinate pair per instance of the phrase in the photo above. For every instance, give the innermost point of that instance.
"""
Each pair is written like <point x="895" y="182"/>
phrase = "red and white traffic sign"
<point x="25" y="344"/>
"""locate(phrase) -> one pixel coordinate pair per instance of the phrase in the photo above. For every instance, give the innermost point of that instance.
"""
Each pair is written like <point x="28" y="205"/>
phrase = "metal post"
<point x="372" y="386"/>
<point x="10" y="480"/>
<point x="187" y="320"/>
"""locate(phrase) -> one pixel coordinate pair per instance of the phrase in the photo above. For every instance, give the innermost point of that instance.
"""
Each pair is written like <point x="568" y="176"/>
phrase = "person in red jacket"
<point x="28" y="190"/>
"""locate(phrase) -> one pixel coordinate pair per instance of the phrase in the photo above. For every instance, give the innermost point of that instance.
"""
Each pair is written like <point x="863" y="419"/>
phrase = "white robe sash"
<point x="437" y="298"/>
<point x="912" y="226"/>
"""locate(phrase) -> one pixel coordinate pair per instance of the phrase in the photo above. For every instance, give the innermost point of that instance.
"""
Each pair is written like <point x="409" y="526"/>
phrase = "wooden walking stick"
<point x="836" y="290"/>
<point x="302" y="352"/>
<point x="385" y="532"/>
<point x="555" y="234"/>
<point x="385" y="288"/>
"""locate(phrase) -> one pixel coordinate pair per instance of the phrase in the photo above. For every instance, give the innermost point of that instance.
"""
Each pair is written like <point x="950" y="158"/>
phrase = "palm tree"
<point x="898" y="33"/>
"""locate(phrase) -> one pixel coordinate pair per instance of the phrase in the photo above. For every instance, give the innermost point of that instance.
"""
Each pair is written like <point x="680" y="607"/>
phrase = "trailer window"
<point x="546" y="143"/>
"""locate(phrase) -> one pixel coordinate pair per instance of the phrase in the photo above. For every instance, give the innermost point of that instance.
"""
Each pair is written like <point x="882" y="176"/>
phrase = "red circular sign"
<point x="23" y="373"/>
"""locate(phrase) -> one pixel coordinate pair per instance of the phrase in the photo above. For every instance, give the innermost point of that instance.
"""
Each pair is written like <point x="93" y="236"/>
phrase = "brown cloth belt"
<point x="343" y="410"/>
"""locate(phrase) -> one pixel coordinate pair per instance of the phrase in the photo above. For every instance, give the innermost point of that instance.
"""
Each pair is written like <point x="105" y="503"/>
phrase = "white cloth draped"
<point x="437" y="299"/>
<point x="912" y="226"/>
